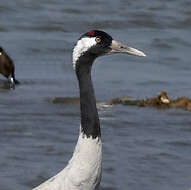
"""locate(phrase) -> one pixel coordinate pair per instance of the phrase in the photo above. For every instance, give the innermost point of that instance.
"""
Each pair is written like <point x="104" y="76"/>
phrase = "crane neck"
<point x="90" y="124"/>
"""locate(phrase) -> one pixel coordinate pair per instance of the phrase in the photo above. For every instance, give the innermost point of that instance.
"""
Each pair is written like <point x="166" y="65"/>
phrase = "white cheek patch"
<point x="164" y="100"/>
<point x="81" y="47"/>
<point x="0" y="53"/>
<point x="12" y="80"/>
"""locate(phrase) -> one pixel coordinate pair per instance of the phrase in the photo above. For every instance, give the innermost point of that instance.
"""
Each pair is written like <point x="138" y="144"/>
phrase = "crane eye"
<point x="98" y="39"/>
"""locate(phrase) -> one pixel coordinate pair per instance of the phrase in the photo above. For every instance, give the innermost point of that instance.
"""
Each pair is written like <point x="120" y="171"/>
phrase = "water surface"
<point x="144" y="148"/>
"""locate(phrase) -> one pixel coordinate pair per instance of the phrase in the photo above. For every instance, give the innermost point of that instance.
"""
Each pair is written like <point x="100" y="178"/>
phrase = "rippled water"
<point x="144" y="148"/>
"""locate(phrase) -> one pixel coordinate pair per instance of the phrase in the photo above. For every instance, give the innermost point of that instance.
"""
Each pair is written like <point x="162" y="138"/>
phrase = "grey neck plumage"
<point x="90" y="124"/>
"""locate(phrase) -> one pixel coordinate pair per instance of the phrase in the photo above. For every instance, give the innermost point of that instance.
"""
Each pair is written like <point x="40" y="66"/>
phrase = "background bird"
<point x="7" y="67"/>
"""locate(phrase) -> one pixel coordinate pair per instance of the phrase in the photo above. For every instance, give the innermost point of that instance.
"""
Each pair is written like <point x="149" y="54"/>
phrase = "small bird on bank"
<point x="161" y="99"/>
<point x="7" y="68"/>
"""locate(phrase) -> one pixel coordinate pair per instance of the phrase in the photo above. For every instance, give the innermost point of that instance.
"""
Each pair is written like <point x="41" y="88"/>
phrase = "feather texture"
<point x="83" y="171"/>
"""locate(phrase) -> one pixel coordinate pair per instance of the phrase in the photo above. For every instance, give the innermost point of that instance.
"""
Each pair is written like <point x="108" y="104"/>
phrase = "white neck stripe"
<point x="81" y="47"/>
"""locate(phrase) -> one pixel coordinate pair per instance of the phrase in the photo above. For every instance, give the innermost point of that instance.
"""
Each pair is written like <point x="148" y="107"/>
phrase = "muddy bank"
<point x="160" y="101"/>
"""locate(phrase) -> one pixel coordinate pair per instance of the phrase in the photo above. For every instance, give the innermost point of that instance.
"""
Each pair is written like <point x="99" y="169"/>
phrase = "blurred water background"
<point x="144" y="148"/>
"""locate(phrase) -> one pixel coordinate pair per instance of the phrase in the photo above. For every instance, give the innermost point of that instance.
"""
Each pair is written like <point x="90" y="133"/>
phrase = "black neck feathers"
<point x="89" y="116"/>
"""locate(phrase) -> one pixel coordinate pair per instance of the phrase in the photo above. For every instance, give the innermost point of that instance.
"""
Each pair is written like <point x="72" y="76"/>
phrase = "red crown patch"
<point x="91" y="33"/>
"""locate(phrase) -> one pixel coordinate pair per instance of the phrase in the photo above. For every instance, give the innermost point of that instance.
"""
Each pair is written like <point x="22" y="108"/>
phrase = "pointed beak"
<point x="118" y="47"/>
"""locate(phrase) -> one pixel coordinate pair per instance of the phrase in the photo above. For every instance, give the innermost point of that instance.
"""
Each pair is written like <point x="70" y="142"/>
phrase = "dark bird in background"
<point x="7" y="67"/>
